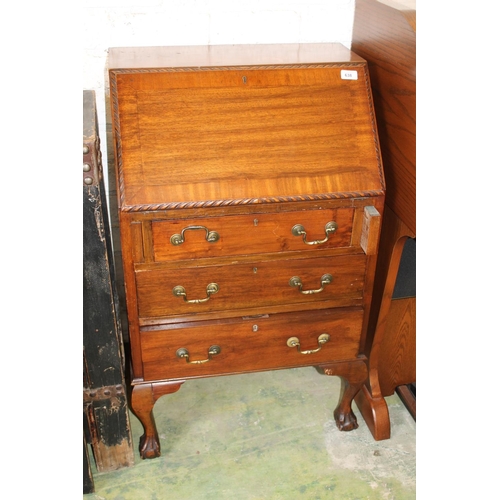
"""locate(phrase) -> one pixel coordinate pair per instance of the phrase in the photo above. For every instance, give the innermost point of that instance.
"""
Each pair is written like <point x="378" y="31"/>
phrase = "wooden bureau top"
<point x="228" y="55"/>
<point x="230" y="125"/>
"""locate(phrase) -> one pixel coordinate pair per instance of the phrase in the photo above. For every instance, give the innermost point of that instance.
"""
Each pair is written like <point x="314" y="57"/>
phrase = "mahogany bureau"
<point x="251" y="193"/>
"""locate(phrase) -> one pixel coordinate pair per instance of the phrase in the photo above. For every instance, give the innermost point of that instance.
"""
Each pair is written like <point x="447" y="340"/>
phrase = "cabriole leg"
<point x="144" y="396"/>
<point x="352" y="375"/>
<point x="343" y="414"/>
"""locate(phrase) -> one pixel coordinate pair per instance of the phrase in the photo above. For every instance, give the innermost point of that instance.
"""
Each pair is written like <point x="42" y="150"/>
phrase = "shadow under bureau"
<point x="251" y="192"/>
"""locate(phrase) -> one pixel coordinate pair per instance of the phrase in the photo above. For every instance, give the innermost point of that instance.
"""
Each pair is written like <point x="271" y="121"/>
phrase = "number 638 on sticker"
<point x="348" y="74"/>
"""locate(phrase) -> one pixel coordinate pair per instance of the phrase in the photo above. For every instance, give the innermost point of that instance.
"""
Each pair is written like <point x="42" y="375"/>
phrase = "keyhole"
<point x="244" y="79"/>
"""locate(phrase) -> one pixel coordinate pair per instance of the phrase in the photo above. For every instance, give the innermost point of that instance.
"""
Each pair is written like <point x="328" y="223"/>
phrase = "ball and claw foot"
<point x="149" y="447"/>
<point x="143" y="399"/>
<point x="346" y="421"/>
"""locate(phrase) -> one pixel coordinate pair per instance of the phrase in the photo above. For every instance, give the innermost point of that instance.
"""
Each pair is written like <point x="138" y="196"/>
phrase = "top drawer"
<point x="251" y="234"/>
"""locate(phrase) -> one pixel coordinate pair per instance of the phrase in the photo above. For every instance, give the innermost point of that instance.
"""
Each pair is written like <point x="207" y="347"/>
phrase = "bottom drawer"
<point x="250" y="344"/>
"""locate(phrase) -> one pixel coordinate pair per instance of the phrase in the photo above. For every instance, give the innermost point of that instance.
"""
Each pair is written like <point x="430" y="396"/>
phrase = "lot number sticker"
<point x="348" y="74"/>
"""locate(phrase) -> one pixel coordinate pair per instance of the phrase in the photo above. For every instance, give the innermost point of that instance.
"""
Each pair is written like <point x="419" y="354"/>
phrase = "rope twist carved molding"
<point x="248" y="201"/>
<point x="188" y="69"/>
<point x="374" y="129"/>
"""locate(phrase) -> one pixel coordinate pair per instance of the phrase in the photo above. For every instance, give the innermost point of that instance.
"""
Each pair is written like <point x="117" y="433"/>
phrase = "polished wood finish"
<point x="221" y="152"/>
<point x="375" y="413"/>
<point x="307" y="141"/>
<point x="248" y="134"/>
<point x="144" y="397"/>
<point x="251" y="286"/>
<point x="384" y="33"/>
<point x="399" y="337"/>
<point x="352" y="375"/>
<point x="240" y="338"/>
<point x="248" y="234"/>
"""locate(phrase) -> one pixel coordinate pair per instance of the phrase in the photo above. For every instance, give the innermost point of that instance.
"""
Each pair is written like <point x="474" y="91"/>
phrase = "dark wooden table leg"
<point x="144" y="396"/>
<point x="352" y="374"/>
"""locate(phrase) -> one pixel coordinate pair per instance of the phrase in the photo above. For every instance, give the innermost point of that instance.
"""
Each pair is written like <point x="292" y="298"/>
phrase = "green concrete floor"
<point x="265" y="436"/>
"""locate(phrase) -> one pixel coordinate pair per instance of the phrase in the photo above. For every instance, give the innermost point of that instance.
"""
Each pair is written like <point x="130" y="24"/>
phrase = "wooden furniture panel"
<point x="384" y="33"/>
<point x="255" y="284"/>
<point x="254" y="165"/>
<point x="250" y="234"/>
<point x="105" y="406"/>
<point x="226" y="150"/>
<point x="399" y="340"/>
<point x="251" y="343"/>
<point x="216" y="135"/>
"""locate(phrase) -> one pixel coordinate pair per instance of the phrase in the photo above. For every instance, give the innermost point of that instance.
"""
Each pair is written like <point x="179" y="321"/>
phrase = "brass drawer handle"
<point x="326" y="279"/>
<point x="178" y="239"/>
<point x="183" y="353"/>
<point x="180" y="291"/>
<point x="294" y="342"/>
<point x="298" y="230"/>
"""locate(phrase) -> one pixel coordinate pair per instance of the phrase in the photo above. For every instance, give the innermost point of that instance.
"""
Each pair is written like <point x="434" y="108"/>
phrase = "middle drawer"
<point x="166" y="291"/>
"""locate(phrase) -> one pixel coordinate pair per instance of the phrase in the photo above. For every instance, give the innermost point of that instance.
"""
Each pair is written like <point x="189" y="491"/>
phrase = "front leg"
<point x="352" y="374"/>
<point x="144" y="396"/>
<point x="343" y="414"/>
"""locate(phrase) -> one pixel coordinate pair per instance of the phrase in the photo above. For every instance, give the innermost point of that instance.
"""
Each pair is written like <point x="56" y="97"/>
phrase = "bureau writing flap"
<point x="245" y="134"/>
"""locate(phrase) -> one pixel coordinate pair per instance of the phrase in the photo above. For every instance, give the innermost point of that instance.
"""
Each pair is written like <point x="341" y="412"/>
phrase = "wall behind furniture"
<point x="125" y="23"/>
